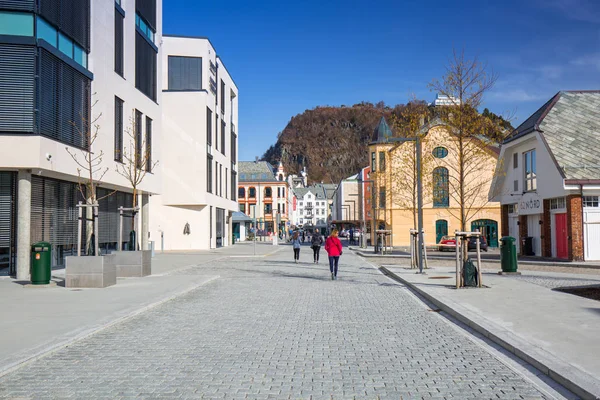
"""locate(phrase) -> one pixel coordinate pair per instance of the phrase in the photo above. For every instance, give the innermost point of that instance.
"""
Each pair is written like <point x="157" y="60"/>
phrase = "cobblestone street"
<point x="269" y="328"/>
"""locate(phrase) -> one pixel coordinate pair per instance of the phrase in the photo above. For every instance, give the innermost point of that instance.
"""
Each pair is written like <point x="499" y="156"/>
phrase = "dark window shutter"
<point x="185" y="73"/>
<point x="7" y="208"/>
<point x="70" y="16"/>
<point x="24" y="5"/>
<point x="208" y="126"/>
<point x="54" y="214"/>
<point x="147" y="9"/>
<point x="138" y="139"/>
<point x="148" y="154"/>
<point x="145" y="67"/>
<point x="119" y="59"/>
<point x="17" y="83"/>
<point x="63" y="101"/>
<point x="118" y="129"/>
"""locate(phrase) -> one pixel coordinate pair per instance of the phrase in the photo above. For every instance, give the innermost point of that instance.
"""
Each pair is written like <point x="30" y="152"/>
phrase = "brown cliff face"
<point x="332" y="142"/>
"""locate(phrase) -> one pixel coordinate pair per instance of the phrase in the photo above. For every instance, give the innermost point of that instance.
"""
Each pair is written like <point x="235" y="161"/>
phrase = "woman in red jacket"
<point x="333" y="247"/>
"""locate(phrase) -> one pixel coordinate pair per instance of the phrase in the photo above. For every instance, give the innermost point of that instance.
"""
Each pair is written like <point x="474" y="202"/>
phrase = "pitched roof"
<point x="316" y="189"/>
<point x="255" y="171"/>
<point x="571" y="129"/>
<point x="569" y="124"/>
<point x="382" y="132"/>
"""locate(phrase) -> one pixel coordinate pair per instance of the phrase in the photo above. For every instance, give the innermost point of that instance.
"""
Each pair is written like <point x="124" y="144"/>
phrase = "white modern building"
<point x="59" y="73"/>
<point x="199" y="148"/>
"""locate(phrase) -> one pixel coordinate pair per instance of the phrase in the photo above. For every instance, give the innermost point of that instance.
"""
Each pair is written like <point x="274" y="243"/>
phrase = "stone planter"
<point x="90" y="272"/>
<point x="133" y="263"/>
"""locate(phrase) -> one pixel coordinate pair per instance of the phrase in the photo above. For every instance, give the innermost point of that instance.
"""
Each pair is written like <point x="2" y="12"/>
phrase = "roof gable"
<point x="571" y="130"/>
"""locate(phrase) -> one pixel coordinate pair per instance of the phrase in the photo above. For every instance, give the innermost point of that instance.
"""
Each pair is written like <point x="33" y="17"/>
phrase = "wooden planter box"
<point x="133" y="263"/>
<point x="90" y="272"/>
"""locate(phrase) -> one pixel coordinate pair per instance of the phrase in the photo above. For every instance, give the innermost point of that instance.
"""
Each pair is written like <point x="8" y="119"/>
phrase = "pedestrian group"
<point x="333" y="247"/>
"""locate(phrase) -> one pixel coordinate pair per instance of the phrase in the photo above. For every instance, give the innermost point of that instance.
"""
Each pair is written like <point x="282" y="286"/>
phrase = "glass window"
<point x="146" y="30"/>
<point x="440" y="152"/>
<point x="381" y="161"/>
<point x="268" y="192"/>
<point x="591" y="201"/>
<point x="185" y="73"/>
<point x="382" y="197"/>
<point x="530" y="170"/>
<point x="16" y="23"/>
<point x="46" y="32"/>
<point x="65" y="45"/>
<point x="252" y="193"/>
<point x="243" y="208"/>
<point x="241" y="192"/>
<point x="80" y="56"/>
<point x="557" y="203"/>
<point x="441" y="193"/>
<point x="373" y="161"/>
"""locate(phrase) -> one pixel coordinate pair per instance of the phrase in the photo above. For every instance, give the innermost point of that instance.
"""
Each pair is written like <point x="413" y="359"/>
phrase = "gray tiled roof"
<point x="531" y="123"/>
<point x="316" y="189"/>
<point x="255" y="171"/>
<point x="571" y="127"/>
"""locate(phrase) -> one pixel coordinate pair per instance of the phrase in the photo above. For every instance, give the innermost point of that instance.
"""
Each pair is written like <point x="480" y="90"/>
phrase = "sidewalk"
<point x="558" y="333"/>
<point x="36" y="320"/>
<point x="492" y="256"/>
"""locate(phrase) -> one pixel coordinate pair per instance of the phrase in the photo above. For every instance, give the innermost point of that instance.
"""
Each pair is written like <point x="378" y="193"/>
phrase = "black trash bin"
<point x="527" y="244"/>
<point x="470" y="273"/>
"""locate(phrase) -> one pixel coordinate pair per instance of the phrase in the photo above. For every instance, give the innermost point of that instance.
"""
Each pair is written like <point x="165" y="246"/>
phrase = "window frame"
<point x="209" y="177"/>
<point x="119" y="126"/>
<point x="530" y="170"/>
<point x="441" y="187"/>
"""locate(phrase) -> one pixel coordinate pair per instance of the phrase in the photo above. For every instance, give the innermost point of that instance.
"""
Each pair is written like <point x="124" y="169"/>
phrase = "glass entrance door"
<point x="441" y="229"/>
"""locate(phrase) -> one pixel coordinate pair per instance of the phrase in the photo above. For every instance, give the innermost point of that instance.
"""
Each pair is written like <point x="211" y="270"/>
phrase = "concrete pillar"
<point x="23" y="225"/>
<point x="145" y="221"/>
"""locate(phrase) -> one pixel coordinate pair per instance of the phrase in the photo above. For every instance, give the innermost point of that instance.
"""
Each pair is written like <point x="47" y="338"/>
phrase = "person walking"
<point x="296" y="245"/>
<point x="316" y="242"/>
<point x="303" y="236"/>
<point x="333" y="247"/>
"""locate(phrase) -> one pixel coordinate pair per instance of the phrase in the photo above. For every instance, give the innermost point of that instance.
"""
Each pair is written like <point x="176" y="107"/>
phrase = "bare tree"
<point x="403" y="172"/>
<point x="474" y="136"/>
<point x="137" y="159"/>
<point x="90" y="171"/>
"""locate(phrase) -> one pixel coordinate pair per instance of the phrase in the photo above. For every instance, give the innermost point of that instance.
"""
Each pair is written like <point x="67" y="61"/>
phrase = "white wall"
<point x="185" y="198"/>
<point x="549" y="181"/>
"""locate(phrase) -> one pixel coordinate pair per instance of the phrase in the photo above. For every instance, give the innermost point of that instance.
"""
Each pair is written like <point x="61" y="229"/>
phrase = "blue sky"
<point x="287" y="57"/>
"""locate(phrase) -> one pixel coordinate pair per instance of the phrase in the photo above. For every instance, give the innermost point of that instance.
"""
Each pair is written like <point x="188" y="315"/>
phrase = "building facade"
<point x="312" y="207"/>
<point x="263" y="195"/>
<point x="346" y="210"/>
<point x="199" y="148"/>
<point x="71" y="69"/>
<point x="549" y="187"/>
<point x="393" y="185"/>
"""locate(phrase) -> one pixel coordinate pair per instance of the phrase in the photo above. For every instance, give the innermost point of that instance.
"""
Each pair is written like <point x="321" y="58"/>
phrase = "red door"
<point x="560" y="233"/>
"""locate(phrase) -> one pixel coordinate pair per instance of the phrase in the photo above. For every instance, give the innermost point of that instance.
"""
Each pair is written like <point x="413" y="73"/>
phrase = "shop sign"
<point x="531" y="203"/>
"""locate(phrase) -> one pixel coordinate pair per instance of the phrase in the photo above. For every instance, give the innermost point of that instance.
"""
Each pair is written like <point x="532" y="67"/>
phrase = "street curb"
<point x="15" y="365"/>
<point x="579" y="382"/>
<point x="483" y="259"/>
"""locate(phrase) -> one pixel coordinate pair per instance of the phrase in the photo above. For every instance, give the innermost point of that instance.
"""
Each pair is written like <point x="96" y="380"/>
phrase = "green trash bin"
<point x="508" y="254"/>
<point x="41" y="263"/>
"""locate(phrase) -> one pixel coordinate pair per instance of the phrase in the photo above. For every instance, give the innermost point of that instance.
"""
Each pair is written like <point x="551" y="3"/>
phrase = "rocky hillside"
<point x="330" y="141"/>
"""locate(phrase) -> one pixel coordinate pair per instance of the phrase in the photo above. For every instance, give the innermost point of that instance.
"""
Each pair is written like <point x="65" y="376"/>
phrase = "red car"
<point x="447" y="243"/>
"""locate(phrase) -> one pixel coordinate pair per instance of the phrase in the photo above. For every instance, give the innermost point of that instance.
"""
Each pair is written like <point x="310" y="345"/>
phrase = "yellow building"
<point x="393" y="180"/>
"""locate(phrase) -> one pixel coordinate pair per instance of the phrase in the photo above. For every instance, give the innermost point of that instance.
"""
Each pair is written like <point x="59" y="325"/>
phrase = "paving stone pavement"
<point x="271" y="329"/>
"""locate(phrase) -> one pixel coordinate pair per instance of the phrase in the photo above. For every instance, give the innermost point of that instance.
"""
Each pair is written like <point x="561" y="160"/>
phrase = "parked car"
<point x="482" y="243"/>
<point x="447" y="243"/>
<point x="343" y="233"/>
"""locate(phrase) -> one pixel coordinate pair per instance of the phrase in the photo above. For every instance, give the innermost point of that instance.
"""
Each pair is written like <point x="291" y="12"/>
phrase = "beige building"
<point x="393" y="182"/>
